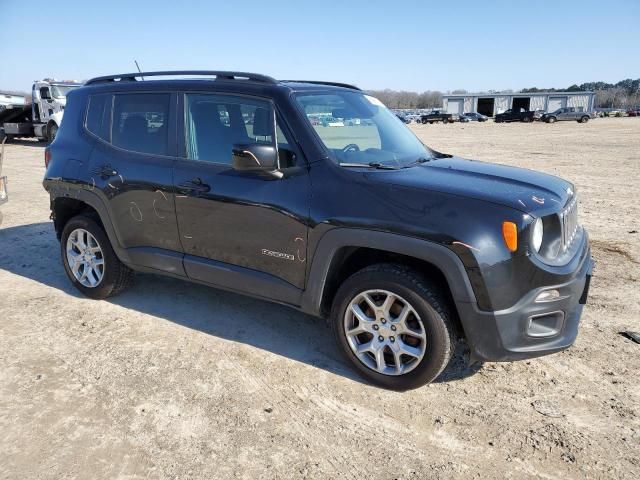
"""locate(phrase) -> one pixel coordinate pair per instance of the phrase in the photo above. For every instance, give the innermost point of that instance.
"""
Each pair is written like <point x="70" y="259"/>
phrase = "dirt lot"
<point x="174" y="380"/>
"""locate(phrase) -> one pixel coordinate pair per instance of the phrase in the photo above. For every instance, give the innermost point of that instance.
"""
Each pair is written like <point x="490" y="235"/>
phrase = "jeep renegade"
<point x="314" y="195"/>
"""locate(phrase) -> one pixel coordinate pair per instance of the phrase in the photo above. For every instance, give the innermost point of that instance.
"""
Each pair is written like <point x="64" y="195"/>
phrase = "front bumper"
<point x="529" y="328"/>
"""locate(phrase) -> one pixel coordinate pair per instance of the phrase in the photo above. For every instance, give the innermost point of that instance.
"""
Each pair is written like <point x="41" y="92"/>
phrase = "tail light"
<point x="47" y="157"/>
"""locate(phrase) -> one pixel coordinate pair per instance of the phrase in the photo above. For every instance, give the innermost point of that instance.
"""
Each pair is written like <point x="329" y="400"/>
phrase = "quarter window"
<point x="140" y="122"/>
<point x="99" y="115"/>
<point x="214" y="123"/>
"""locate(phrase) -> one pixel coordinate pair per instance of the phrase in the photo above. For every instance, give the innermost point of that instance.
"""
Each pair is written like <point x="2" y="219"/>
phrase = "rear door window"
<point x="140" y="122"/>
<point x="99" y="115"/>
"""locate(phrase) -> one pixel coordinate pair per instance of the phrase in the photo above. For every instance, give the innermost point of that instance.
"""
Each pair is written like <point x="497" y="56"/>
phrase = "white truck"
<point x="41" y="118"/>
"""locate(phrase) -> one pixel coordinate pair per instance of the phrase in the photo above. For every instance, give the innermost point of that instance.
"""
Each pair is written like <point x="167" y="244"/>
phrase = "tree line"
<point x="624" y="94"/>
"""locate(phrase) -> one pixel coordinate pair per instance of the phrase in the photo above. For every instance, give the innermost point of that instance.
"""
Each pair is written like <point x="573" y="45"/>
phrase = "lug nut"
<point x="393" y="327"/>
<point x="376" y="327"/>
<point x="383" y="320"/>
<point x="380" y="338"/>
<point x="393" y="339"/>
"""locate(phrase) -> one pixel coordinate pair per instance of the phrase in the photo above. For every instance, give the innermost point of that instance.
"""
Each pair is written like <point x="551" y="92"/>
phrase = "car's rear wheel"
<point x="551" y="120"/>
<point x="393" y="326"/>
<point x="584" y="119"/>
<point x="526" y="119"/>
<point x="89" y="260"/>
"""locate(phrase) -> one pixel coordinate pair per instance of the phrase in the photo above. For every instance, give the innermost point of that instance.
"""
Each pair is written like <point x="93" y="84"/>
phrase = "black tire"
<point x="117" y="276"/>
<point x="52" y="131"/>
<point x="526" y="119"/>
<point x="2" y="135"/>
<point x="551" y="120"/>
<point x="584" y="119"/>
<point x="427" y="301"/>
<point x="424" y="121"/>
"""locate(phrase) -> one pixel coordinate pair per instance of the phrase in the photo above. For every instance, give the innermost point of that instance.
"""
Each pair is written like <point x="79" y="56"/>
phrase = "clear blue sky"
<point x="414" y="45"/>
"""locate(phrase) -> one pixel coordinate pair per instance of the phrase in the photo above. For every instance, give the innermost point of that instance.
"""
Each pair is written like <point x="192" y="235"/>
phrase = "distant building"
<point x="492" y="104"/>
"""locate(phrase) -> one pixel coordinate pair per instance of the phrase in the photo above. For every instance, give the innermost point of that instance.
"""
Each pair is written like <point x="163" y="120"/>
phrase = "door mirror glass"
<point x="254" y="157"/>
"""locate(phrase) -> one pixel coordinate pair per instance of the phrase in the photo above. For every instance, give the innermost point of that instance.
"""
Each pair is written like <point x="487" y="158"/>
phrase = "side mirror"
<point x="255" y="157"/>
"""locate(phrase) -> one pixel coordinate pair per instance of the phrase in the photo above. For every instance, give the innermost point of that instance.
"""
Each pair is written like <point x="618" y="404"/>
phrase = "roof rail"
<point x="318" y="82"/>
<point x="223" y="75"/>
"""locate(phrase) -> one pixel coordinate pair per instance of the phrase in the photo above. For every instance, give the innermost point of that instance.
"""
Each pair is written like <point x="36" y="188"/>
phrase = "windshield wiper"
<point x="418" y="162"/>
<point x="368" y="165"/>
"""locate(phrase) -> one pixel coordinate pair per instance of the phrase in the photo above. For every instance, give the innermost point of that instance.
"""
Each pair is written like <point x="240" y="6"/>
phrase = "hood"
<point x="525" y="190"/>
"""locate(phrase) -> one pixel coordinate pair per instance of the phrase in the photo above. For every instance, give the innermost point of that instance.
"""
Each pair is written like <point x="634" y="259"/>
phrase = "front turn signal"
<point x="510" y="235"/>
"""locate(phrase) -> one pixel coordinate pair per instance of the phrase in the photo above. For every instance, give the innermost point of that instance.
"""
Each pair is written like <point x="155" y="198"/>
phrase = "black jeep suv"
<point x="226" y="180"/>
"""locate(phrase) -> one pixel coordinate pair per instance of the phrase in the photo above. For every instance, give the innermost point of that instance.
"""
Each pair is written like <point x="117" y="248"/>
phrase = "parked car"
<point x="611" y="112"/>
<point x="437" y="116"/>
<point x="402" y="248"/>
<point x="564" y="114"/>
<point x="474" y="117"/>
<point x="403" y="118"/>
<point x="633" y="112"/>
<point x="331" y="122"/>
<point x="516" y="115"/>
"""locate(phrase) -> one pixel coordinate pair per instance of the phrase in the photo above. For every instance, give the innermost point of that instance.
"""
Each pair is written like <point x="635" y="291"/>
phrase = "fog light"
<point x="547" y="296"/>
<point x="545" y="325"/>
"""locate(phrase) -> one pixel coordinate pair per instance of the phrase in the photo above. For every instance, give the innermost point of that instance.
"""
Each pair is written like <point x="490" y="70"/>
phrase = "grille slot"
<point x="569" y="222"/>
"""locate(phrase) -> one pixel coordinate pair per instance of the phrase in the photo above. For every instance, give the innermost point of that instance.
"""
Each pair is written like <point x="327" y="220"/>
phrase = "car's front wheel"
<point x="393" y="326"/>
<point x="89" y="260"/>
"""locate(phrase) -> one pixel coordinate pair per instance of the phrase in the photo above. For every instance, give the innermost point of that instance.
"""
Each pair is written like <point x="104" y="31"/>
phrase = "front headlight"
<point x="538" y="233"/>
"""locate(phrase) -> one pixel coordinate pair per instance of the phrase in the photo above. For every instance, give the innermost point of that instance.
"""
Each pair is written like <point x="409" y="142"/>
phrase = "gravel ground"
<point x="176" y="380"/>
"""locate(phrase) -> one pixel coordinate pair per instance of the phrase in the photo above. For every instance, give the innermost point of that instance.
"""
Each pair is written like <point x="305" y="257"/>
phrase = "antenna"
<point x="139" y="71"/>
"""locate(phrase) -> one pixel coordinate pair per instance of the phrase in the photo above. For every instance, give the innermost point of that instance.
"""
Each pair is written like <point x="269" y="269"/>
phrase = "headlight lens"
<point x="538" y="233"/>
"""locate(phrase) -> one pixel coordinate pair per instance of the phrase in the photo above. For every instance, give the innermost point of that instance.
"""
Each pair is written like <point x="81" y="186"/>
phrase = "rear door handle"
<point x="105" y="171"/>
<point x="194" y="185"/>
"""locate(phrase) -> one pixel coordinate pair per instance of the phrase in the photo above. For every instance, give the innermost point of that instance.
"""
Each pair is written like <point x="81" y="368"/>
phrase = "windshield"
<point x="358" y="128"/>
<point x="60" y="91"/>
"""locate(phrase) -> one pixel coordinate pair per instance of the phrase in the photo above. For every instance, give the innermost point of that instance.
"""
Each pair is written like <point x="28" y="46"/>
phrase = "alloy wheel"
<point x="85" y="258"/>
<point x="385" y="332"/>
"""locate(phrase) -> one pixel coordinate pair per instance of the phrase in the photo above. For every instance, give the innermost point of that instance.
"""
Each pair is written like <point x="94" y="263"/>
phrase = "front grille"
<point x="569" y="222"/>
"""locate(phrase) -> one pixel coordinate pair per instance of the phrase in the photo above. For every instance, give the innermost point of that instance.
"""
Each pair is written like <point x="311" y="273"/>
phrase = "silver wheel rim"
<point x="85" y="259"/>
<point x="385" y="332"/>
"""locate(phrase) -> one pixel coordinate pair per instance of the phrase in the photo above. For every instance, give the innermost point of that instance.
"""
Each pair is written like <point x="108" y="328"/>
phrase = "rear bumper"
<point x="529" y="328"/>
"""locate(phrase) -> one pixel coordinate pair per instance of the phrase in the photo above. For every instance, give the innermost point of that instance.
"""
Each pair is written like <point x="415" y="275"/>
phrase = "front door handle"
<point x="194" y="185"/>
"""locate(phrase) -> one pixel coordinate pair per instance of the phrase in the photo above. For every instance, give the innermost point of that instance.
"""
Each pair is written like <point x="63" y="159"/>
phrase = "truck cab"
<point x="49" y="98"/>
